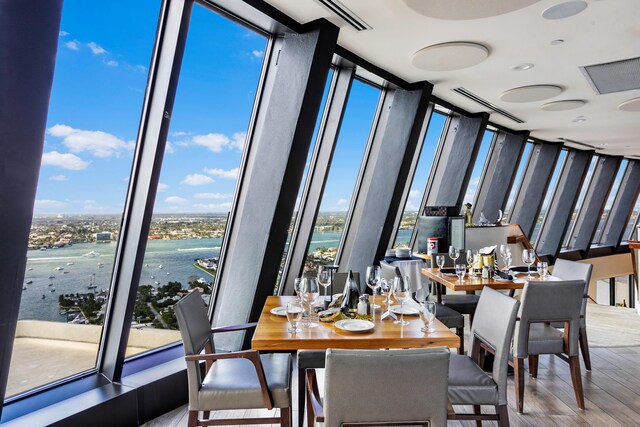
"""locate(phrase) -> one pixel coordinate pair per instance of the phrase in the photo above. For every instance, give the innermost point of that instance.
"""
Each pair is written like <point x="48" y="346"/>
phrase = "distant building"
<point x="103" y="237"/>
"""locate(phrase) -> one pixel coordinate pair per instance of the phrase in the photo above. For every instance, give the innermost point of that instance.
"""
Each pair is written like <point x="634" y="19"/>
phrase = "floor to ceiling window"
<point x="548" y="196"/>
<point x="96" y="99"/>
<point x="576" y="210"/>
<point x="420" y="178"/>
<point x="630" y="232"/>
<point x="478" y="167"/>
<point x="522" y="166"/>
<point x="216" y="91"/>
<point x="345" y="166"/>
<point x="609" y="204"/>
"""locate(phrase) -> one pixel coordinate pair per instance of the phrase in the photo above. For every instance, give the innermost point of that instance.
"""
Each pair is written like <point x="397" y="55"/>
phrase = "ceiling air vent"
<point x="345" y="14"/>
<point x="472" y="96"/>
<point x="615" y="76"/>
<point x="582" y="144"/>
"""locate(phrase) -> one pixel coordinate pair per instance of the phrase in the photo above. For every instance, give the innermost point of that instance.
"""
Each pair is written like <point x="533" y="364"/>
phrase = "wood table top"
<point x="271" y="333"/>
<point x="469" y="283"/>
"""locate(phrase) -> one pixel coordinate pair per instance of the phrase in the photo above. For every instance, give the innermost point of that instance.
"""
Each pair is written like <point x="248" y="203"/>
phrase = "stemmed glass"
<point x="386" y="286"/>
<point x="294" y="314"/>
<point x="543" y="270"/>
<point x="506" y="256"/>
<point x="297" y="287"/>
<point x="402" y="291"/>
<point x="529" y="257"/>
<point x="427" y="314"/>
<point x="440" y="261"/>
<point x="373" y="281"/>
<point x="309" y="292"/>
<point x="324" y="277"/>
<point x="453" y="254"/>
<point x="471" y="256"/>
<point x="461" y="270"/>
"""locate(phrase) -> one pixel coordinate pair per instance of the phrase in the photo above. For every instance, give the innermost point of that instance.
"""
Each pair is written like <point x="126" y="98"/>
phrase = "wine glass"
<point x="386" y="287"/>
<point x="373" y="282"/>
<point x="440" y="261"/>
<point x="427" y="314"/>
<point x="471" y="257"/>
<point x="506" y="257"/>
<point x="294" y="314"/>
<point x="543" y="269"/>
<point x="529" y="257"/>
<point x="453" y="254"/>
<point x="402" y="291"/>
<point x="297" y="287"/>
<point x="324" y="278"/>
<point x="461" y="270"/>
<point x="310" y="293"/>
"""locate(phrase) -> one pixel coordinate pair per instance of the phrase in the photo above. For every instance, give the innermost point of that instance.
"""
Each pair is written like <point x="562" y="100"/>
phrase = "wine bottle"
<point x="350" y="296"/>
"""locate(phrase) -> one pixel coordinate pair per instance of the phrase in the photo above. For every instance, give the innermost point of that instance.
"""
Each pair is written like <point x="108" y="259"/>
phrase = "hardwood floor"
<point x="612" y="395"/>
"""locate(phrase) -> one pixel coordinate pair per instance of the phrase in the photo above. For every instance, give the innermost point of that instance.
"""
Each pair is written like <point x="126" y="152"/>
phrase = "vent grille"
<point x="472" y="96"/>
<point x="613" y="77"/>
<point x="582" y="144"/>
<point x="345" y="14"/>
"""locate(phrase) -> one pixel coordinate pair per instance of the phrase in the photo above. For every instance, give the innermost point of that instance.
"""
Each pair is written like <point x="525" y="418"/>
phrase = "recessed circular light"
<point x="523" y="67"/>
<point x="569" y="104"/>
<point x="564" y="10"/>
<point x="579" y="120"/>
<point x="531" y="93"/>
<point x="450" y="56"/>
<point x="465" y="9"/>
<point x="556" y="42"/>
<point x="632" y="105"/>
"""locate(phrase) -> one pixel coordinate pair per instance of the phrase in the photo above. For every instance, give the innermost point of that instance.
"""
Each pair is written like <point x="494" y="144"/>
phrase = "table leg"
<point x="301" y="396"/>
<point x="439" y="292"/>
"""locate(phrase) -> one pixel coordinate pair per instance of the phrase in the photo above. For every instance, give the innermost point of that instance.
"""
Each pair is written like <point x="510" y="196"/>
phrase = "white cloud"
<point x="73" y="45"/>
<point x="96" y="49"/>
<point x="48" y="205"/>
<point x="112" y="63"/>
<point x="222" y="173"/>
<point x="257" y="53"/>
<point x="58" y="178"/>
<point x="213" y="141"/>
<point x="168" y="148"/>
<point x="414" y="194"/>
<point x="179" y="133"/>
<point x="341" y="202"/>
<point x="86" y="202"/>
<point x="197" y="179"/>
<point x="212" y="196"/>
<point x="175" y="200"/>
<point x="64" y="160"/>
<point x="238" y="140"/>
<point x="63" y="33"/>
<point x="162" y="187"/>
<point x="98" y="143"/>
<point x="213" y="206"/>
<point x="410" y="206"/>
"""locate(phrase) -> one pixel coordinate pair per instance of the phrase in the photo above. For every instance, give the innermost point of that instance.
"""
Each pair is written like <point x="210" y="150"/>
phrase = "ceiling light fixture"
<point x="450" y="56"/>
<point x="523" y="66"/>
<point x="531" y="93"/>
<point x="564" y="10"/>
<point x="569" y="104"/>
<point x="556" y="42"/>
<point x="579" y="120"/>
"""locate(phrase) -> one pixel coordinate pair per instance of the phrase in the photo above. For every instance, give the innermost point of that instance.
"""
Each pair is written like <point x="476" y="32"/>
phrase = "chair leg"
<point x="576" y="379"/>
<point x="460" y="333"/>
<point x="503" y="415"/>
<point x="193" y="419"/>
<point x="285" y="417"/>
<point x="302" y="392"/>
<point x="584" y="348"/>
<point x="518" y="372"/>
<point x="533" y="365"/>
<point x="311" y="420"/>
<point x="477" y="411"/>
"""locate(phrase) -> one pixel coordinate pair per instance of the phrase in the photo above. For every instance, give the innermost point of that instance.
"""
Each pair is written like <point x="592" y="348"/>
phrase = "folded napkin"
<point x="502" y="275"/>
<point x="487" y="250"/>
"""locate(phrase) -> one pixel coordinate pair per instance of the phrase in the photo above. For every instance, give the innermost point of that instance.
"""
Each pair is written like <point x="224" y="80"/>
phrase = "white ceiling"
<point x="607" y="30"/>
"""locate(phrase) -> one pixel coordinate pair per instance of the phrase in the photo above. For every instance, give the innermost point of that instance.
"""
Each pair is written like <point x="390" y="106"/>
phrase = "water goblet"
<point x="543" y="270"/>
<point x="310" y="293"/>
<point x="427" y="314"/>
<point x="386" y="287"/>
<point x="294" y="314"/>
<point x="453" y="254"/>
<point x="373" y="282"/>
<point x="402" y="292"/>
<point x="529" y="257"/>
<point x="461" y="270"/>
<point x="297" y="287"/>
<point x="440" y="261"/>
<point x="324" y="278"/>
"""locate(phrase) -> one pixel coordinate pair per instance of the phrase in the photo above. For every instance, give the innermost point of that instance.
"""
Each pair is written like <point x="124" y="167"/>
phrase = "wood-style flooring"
<point x="612" y="395"/>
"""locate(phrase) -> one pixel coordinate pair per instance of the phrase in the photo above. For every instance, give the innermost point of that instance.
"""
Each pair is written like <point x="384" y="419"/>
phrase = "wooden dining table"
<point x="468" y="283"/>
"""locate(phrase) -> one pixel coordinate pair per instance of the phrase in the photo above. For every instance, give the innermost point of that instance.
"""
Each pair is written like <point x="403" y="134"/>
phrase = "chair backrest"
<point x="386" y="386"/>
<point x="573" y="270"/>
<point x="549" y="302"/>
<point x="195" y="331"/>
<point x="493" y="324"/>
<point x="388" y="271"/>
<point x="448" y="262"/>
<point x="339" y="280"/>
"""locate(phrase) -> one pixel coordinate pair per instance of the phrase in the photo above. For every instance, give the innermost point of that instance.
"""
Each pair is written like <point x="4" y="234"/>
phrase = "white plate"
<point x="354" y="325"/>
<point x="279" y="311"/>
<point x="408" y="311"/>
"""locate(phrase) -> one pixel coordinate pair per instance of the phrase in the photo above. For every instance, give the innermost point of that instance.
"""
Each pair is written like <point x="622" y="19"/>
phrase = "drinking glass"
<point x="294" y="314"/>
<point x="310" y="292"/>
<point x="386" y="287"/>
<point x="427" y="314"/>
<point x="440" y="261"/>
<point x="402" y="291"/>
<point x="529" y="257"/>
<point x="453" y="254"/>
<point x="297" y="287"/>
<point x="324" y="278"/>
<point x="506" y="258"/>
<point x="461" y="270"/>
<point x="373" y="282"/>
<point x="543" y="270"/>
<point x="472" y="254"/>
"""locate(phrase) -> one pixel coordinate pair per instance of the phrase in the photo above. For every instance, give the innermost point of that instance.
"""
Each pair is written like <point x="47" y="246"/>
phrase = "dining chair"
<point x="381" y="387"/>
<point x="541" y="304"/>
<point x="448" y="316"/>
<point x="492" y="330"/>
<point x="572" y="270"/>
<point x="236" y="380"/>
<point x="462" y="303"/>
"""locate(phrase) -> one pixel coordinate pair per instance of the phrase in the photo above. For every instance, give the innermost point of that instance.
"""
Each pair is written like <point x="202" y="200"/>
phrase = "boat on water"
<point x="59" y="268"/>
<point x="30" y="268"/>
<point x="156" y="282"/>
<point x="53" y="289"/>
<point x="91" y="254"/>
<point x="43" y="248"/>
<point x="43" y="296"/>
<point x="50" y="284"/>
<point x="92" y="282"/>
<point x="100" y="265"/>
<point x="24" y="288"/>
<point x="65" y="272"/>
<point x="69" y="263"/>
<point x="153" y="277"/>
<point x="52" y="277"/>
<point x="160" y="266"/>
<point x="28" y="282"/>
<point x="168" y="273"/>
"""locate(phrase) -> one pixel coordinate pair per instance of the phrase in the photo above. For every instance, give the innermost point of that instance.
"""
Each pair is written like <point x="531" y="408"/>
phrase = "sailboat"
<point x="92" y="284"/>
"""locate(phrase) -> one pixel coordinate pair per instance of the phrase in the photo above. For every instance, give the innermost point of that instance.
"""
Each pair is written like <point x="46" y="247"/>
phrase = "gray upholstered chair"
<point x="572" y="270"/>
<point x="392" y="387"/>
<point x="462" y="303"/>
<point x="469" y="384"/>
<point x="541" y="304"/>
<point x="448" y="316"/>
<point x="237" y="380"/>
